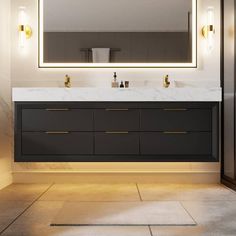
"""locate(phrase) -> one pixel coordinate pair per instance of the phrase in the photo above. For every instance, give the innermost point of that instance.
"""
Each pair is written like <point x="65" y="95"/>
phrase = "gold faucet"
<point x="67" y="81"/>
<point x="166" y="82"/>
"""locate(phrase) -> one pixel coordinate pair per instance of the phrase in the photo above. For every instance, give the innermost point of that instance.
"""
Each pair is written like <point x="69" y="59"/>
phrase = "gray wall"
<point x="141" y="47"/>
<point x="229" y="89"/>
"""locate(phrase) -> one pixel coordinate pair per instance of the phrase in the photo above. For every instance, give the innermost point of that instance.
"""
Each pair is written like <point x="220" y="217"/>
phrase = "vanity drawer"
<point x="176" y="119"/>
<point x="57" y="119"/>
<point x="117" y="143"/>
<point x="160" y="143"/>
<point x="40" y="143"/>
<point x="116" y="120"/>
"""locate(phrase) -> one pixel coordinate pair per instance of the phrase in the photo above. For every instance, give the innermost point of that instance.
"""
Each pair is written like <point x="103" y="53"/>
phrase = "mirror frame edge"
<point x="191" y="65"/>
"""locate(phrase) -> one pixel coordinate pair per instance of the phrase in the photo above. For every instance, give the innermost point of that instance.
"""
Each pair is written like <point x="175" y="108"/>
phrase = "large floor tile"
<point x="40" y="213"/>
<point x="9" y="210"/>
<point x="123" y="213"/>
<point x="22" y="192"/>
<point x="159" y="192"/>
<point x="2" y="227"/>
<point x="184" y="231"/>
<point x="200" y="192"/>
<point x="185" y="192"/>
<point x="205" y="212"/>
<point x="217" y="217"/>
<point x="92" y="192"/>
<point x="39" y="230"/>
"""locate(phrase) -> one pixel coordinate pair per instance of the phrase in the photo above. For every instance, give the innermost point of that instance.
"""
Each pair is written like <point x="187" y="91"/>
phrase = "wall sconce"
<point x="25" y="31"/>
<point x="208" y="30"/>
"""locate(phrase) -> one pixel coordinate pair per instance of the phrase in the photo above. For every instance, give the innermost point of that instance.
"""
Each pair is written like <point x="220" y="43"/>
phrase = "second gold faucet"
<point x="67" y="81"/>
<point x="166" y="82"/>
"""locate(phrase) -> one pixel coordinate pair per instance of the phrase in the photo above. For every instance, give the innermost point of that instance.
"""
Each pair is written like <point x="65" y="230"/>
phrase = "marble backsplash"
<point x="106" y="83"/>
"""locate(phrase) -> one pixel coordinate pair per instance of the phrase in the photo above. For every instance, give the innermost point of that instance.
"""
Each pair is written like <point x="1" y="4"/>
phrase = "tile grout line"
<point x="27" y="208"/>
<point x="150" y="230"/>
<point x="140" y="197"/>
<point x="188" y="213"/>
<point x="49" y="187"/>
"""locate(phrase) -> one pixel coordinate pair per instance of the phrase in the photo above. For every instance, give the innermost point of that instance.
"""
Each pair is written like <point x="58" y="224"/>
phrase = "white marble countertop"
<point x="187" y="94"/>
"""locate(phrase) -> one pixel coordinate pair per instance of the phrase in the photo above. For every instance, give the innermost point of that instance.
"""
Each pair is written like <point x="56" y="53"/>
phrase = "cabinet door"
<point x="116" y="119"/>
<point x="116" y="144"/>
<point x="176" y="119"/>
<point x="176" y="143"/>
<point x="39" y="143"/>
<point x="57" y="119"/>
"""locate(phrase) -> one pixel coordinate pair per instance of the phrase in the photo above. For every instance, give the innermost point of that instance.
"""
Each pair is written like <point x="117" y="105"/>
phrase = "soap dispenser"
<point x="115" y="83"/>
<point x="122" y="84"/>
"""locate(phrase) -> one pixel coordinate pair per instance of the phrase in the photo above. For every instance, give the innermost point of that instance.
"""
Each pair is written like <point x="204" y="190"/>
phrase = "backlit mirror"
<point x="111" y="33"/>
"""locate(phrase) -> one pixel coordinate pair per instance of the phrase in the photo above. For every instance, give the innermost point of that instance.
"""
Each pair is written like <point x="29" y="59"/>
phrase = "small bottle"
<point x="122" y="84"/>
<point x="126" y="84"/>
<point x="115" y="83"/>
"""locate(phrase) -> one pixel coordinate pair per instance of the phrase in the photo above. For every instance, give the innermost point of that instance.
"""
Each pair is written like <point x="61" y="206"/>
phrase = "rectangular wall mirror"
<point x="124" y="33"/>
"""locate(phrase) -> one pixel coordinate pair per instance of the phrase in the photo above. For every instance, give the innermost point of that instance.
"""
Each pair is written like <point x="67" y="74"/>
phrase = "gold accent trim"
<point x="211" y="28"/>
<point x="28" y="32"/>
<point x="125" y="109"/>
<point x="67" y="82"/>
<point x="21" y="28"/>
<point x="170" y="132"/>
<point x="27" y="29"/>
<point x="166" y="82"/>
<point x="121" y="132"/>
<point x="57" y="132"/>
<point x="175" y="109"/>
<point x="206" y="29"/>
<point x="57" y="109"/>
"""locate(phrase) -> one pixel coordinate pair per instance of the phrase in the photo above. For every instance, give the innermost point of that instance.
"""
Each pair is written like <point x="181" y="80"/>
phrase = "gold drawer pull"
<point x="121" y="132"/>
<point x="125" y="109"/>
<point x="57" y="109"/>
<point x="57" y="132"/>
<point x="175" y="109"/>
<point x="170" y="132"/>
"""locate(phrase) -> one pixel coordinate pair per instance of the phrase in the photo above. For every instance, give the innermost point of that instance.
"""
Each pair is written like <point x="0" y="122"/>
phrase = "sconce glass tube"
<point x="25" y="31"/>
<point x="210" y="28"/>
<point x="22" y="24"/>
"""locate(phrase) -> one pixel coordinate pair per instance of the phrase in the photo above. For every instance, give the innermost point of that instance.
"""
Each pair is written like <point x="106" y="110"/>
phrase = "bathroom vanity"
<point x="116" y="125"/>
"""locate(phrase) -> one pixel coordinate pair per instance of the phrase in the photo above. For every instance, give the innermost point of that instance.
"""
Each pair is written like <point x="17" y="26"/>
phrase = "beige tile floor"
<point x="123" y="213"/>
<point x="91" y="193"/>
<point x="28" y="210"/>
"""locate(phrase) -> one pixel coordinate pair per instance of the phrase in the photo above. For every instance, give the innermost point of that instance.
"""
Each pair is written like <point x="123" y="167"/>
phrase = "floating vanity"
<point x="116" y="125"/>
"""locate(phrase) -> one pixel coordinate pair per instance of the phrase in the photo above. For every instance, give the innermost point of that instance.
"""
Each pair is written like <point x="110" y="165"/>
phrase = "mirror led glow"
<point x="193" y="64"/>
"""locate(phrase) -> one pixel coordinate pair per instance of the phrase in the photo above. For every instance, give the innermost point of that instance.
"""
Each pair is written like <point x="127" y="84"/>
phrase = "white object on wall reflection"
<point x="208" y="31"/>
<point x="25" y="31"/>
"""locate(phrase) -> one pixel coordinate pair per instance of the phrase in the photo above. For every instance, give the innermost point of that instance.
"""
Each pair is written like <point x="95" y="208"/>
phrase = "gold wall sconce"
<point x="208" y="31"/>
<point x="25" y="31"/>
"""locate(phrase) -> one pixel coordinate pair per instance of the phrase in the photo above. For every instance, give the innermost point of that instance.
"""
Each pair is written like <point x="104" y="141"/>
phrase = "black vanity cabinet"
<point x="116" y="132"/>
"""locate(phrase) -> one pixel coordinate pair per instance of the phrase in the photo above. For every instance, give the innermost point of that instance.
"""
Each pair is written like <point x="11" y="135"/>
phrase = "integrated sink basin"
<point x="115" y="95"/>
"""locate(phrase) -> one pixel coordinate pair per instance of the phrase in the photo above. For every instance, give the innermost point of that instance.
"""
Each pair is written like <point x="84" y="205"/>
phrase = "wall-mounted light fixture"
<point x="208" y="30"/>
<point x="25" y="31"/>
